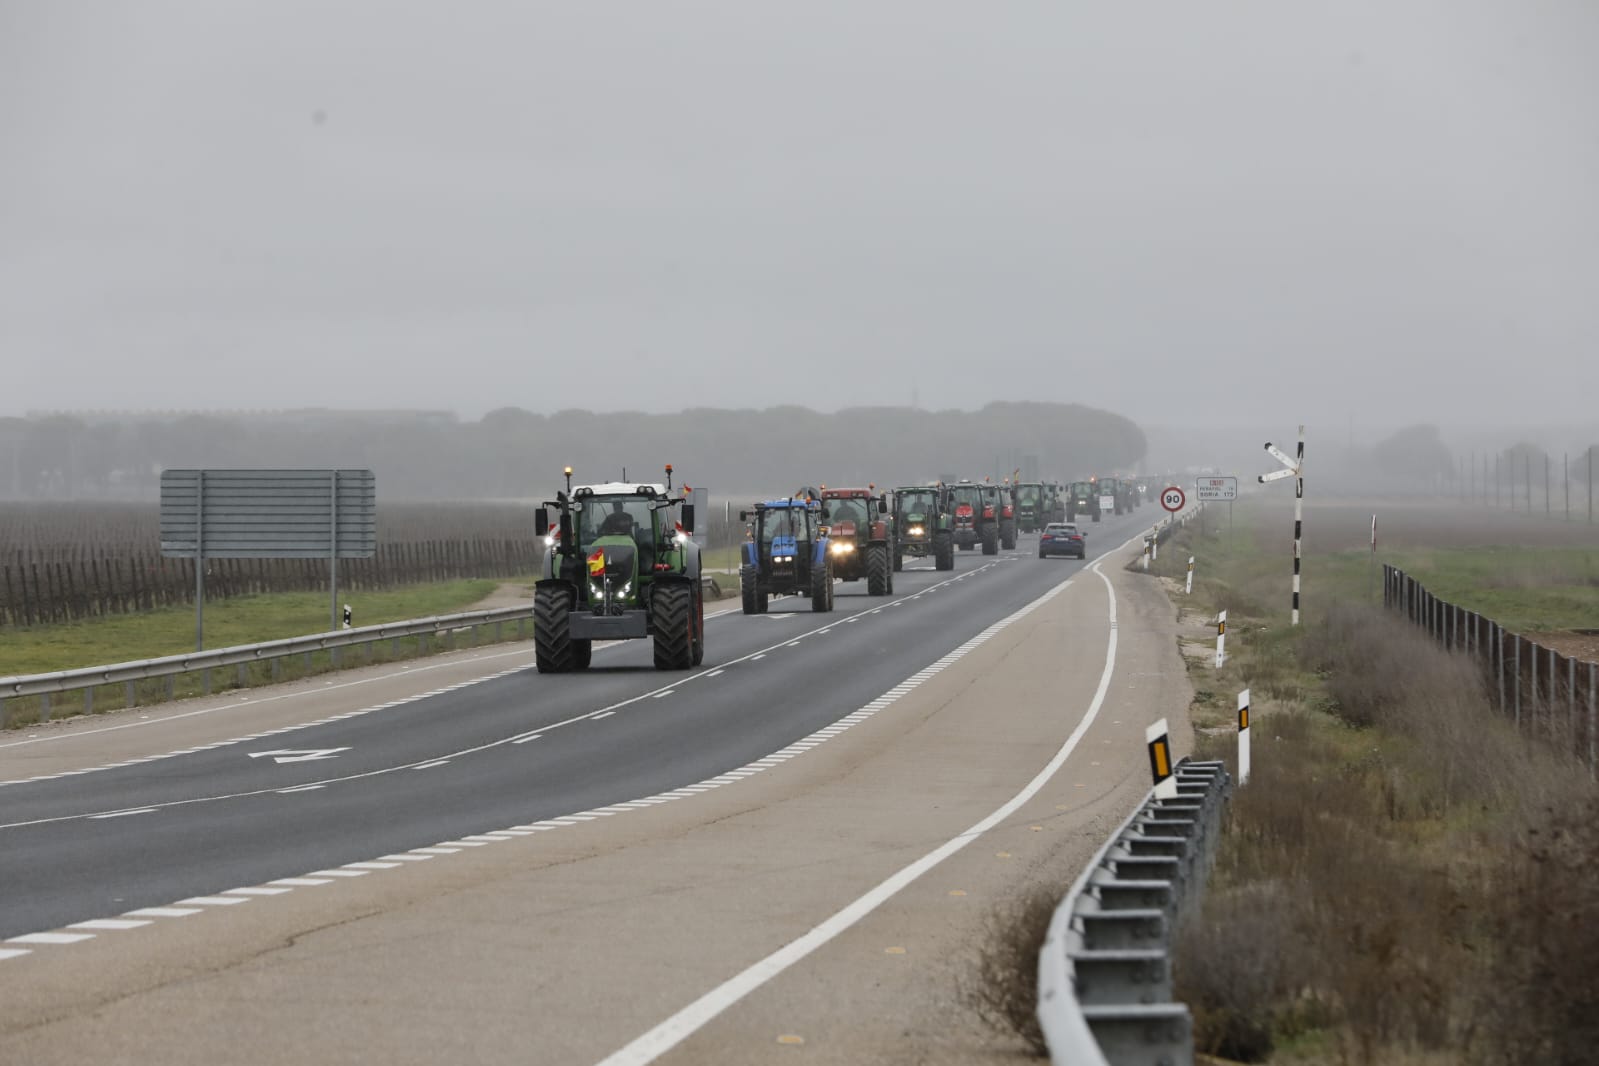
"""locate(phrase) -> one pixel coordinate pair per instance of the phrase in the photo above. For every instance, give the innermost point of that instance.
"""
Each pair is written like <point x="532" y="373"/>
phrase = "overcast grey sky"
<point x="1185" y="212"/>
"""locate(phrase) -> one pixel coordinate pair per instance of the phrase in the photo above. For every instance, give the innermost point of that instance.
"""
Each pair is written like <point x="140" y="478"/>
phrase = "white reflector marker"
<point x="1188" y="589"/>
<point x="1243" y="737"/>
<point x="1221" y="639"/>
<point x="1158" y="738"/>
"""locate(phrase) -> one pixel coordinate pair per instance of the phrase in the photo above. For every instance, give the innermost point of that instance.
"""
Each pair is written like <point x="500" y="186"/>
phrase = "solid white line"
<point x="677" y="1028"/>
<point x="299" y="788"/>
<point x="430" y="765"/>
<point x="124" y="814"/>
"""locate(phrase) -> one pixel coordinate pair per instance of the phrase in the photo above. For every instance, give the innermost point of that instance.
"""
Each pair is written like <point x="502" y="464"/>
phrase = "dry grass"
<point x="1005" y="990"/>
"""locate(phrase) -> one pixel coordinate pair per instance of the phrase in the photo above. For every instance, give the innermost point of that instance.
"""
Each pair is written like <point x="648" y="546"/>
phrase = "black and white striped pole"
<point x="1294" y="468"/>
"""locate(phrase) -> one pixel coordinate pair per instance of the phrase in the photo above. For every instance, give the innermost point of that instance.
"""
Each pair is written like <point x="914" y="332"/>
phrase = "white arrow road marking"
<point x="304" y="755"/>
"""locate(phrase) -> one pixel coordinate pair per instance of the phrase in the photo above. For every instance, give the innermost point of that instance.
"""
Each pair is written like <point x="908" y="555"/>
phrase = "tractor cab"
<point x="922" y="526"/>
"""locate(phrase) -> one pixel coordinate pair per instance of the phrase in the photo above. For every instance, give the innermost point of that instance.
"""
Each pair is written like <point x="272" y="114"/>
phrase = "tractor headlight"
<point x="916" y="531"/>
<point x="596" y="590"/>
<point x="841" y="547"/>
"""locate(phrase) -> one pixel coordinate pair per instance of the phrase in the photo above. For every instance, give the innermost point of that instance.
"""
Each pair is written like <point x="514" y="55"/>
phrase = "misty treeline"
<point x="512" y="453"/>
<point x="1418" y="458"/>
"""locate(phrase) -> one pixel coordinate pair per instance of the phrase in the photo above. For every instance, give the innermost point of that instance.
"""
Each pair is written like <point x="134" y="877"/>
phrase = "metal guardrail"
<point x="1104" y="972"/>
<point x="92" y="677"/>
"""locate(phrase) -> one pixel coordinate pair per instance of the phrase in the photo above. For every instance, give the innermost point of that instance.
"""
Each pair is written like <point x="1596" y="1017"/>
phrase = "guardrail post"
<point x="88" y="700"/>
<point x="205" y="681"/>
<point x="129" y="695"/>
<point x="44" y="707"/>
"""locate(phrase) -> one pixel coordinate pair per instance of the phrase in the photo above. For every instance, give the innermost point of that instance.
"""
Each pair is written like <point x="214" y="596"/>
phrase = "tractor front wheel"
<point x="943" y="551"/>
<point x="990" y="541"/>
<point x="877" y="570"/>
<point x="821" y="588"/>
<point x="672" y="614"/>
<point x="899" y="560"/>
<point x="552" y="629"/>
<point x="582" y="654"/>
<point x="754" y="603"/>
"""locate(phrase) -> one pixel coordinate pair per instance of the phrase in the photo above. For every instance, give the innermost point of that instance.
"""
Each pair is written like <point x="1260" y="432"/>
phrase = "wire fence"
<point x="1529" y="480"/>
<point x="1552" y="697"/>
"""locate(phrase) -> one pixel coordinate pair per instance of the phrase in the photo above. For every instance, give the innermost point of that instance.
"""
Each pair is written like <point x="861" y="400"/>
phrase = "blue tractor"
<point x="786" y="553"/>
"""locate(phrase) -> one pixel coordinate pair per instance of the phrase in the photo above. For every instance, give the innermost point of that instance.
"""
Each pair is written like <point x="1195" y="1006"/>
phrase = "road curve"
<point x="588" y="795"/>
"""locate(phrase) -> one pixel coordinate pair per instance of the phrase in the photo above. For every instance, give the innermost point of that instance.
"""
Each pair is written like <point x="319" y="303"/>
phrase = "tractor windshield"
<point x="606" y="516"/>
<point x="1027" y="495"/>
<point x="782" y="522"/>
<point x="846" y="510"/>
<point x="919" y="504"/>
<point x="970" y="495"/>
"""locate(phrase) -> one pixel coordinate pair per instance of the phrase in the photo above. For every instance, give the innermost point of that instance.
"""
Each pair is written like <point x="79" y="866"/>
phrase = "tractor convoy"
<point x="620" y="562"/>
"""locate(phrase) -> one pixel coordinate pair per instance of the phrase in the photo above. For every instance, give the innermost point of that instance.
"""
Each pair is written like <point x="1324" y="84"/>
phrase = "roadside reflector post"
<point x="1158" y="739"/>
<point x="1221" y="639"/>
<point x="1146" y="553"/>
<point x="1154" y="544"/>
<point x="1188" y="587"/>
<point x="1243" y="737"/>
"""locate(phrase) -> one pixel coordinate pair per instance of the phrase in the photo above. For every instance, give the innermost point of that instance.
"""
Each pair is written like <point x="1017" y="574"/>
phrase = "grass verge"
<point x="1403" y="880"/>
<point x="241" y="620"/>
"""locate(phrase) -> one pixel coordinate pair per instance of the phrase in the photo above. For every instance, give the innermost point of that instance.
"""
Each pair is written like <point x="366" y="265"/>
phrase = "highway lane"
<point x="451" y="764"/>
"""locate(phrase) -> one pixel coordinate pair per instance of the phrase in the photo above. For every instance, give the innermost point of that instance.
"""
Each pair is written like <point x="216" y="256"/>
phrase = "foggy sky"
<point x="1188" y="212"/>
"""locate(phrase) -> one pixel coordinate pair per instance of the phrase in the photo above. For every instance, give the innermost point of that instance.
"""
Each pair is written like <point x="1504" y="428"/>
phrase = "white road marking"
<point x="430" y="765"/>
<point x="124" y="814"/>
<point x="683" y="1024"/>
<point x="213" y="901"/>
<point x="302" y="882"/>
<point x="163" y="912"/>
<point x="110" y="923"/>
<point x="49" y="938"/>
<point x="299" y="788"/>
<point x="257" y="890"/>
<point x="13" y="953"/>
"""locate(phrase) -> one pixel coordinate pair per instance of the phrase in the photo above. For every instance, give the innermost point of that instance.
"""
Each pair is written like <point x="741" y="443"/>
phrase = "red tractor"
<point x="860" y="537"/>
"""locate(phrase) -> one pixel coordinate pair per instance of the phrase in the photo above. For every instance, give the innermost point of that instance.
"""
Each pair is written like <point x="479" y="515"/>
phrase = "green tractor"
<point x="922" y="520"/>
<point x="1082" y="500"/>
<point x="1032" y="506"/>
<point x="617" y="568"/>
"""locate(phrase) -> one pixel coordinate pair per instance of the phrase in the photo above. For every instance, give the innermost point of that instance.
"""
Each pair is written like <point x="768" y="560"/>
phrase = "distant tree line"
<point x="513" y="453"/>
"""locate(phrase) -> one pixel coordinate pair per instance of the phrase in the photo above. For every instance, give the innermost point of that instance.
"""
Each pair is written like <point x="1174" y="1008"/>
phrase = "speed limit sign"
<point x="1172" y="498"/>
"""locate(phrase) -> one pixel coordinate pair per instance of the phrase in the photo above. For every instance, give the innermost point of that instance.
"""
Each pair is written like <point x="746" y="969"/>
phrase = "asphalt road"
<point x="505" y="753"/>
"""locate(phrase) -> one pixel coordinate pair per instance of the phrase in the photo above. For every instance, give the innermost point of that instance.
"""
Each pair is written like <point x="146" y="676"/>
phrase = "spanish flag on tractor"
<point x="597" y="563"/>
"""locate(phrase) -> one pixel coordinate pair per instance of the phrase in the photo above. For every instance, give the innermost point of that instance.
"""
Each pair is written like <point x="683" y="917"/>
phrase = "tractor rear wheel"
<point x="877" y="570"/>
<point x="990" y="540"/>
<point x="943" y="551"/>
<point x="699" y="627"/>
<point x="899" y="560"/>
<point x="582" y="654"/>
<point x="821" y="588"/>
<point x="1007" y="535"/>
<point x="552" y="629"/>
<point x="747" y="582"/>
<point x="672" y="616"/>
